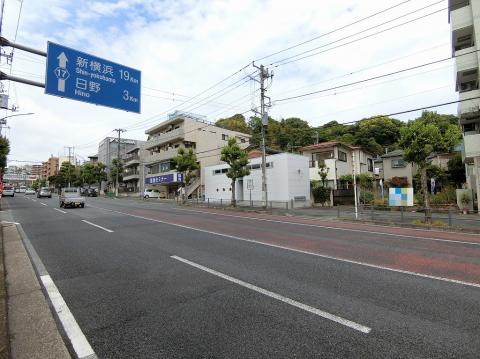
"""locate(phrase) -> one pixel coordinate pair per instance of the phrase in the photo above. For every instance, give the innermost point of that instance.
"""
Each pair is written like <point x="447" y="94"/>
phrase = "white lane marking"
<point x="96" y="225"/>
<point x="7" y="222"/>
<point x="303" y="252"/>
<point x="34" y="200"/>
<point x="335" y="228"/>
<point x="77" y="338"/>
<point x="281" y="298"/>
<point x="43" y="204"/>
<point x="59" y="210"/>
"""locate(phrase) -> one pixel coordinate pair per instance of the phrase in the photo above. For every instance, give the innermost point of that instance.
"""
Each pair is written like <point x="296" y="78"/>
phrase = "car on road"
<point x="151" y="193"/>
<point x="22" y="189"/>
<point x="8" y="191"/>
<point x="71" y="196"/>
<point x="89" y="192"/>
<point x="44" y="192"/>
<point x="30" y="191"/>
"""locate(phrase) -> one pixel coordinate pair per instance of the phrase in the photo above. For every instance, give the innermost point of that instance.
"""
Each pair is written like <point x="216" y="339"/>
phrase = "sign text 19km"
<point x="83" y="77"/>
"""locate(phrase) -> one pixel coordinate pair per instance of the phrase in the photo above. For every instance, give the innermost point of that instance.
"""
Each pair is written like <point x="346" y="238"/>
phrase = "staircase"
<point x="192" y="187"/>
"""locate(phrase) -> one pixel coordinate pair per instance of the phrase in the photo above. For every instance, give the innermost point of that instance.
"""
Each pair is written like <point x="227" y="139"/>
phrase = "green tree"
<point x="237" y="159"/>
<point x="456" y="171"/>
<point x="87" y="173"/>
<point x="186" y="163"/>
<point x="4" y="151"/>
<point x="36" y="184"/>
<point x="235" y="123"/>
<point x="420" y="138"/>
<point x="117" y="166"/>
<point x="68" y="174"/>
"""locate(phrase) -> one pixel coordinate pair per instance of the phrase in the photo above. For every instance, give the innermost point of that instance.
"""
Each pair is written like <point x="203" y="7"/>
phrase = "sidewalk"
<point x="32" y="328"/>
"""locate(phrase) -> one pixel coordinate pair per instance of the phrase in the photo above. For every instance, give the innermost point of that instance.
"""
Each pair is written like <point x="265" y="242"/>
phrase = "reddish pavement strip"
<point x="458" y="261"/>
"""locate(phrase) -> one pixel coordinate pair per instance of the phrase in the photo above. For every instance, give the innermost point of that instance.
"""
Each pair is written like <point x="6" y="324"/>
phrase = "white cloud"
<point x="187" y="46"/>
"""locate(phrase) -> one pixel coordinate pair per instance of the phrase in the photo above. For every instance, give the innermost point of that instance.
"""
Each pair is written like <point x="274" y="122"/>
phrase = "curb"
<point x="31" y="325"/>
<point x="60" y="335"/>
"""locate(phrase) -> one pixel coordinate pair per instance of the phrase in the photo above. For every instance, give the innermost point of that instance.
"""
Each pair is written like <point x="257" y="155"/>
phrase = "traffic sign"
<point x="80" y="76"/>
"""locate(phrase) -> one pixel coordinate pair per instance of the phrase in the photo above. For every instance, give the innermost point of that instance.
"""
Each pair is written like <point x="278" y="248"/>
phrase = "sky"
<point x="196" y="56"/>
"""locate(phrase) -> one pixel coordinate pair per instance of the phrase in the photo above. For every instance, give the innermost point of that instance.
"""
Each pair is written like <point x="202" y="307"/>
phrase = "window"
<point x="257" y="166"/>
<point x="220" y="171"/>
<point x="370" y="164"/>
<point x="398" y="163"/>
<point x="242" y="140"/>
<point x="224" y="137"/>
<point x="342" y="156"/>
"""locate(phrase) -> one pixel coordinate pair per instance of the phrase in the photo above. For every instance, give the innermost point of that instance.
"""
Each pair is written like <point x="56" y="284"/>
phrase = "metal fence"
<point x="441" y="218"/>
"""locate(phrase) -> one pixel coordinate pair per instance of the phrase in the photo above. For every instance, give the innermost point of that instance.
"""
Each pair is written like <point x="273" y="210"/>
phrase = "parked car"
<point x="22" y="189"/>
<point x="44" y="192"/>
<point x="89" y="192"/>
<point x="8" y="191"/>
<point x="30" y="191"/>
<point x="151" y="193"/>
<point x="71" y="197"/>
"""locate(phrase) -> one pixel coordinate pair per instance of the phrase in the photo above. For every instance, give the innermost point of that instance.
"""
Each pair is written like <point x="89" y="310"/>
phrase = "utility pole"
<point x="264" y="74"/>
<point x="355" y="185"/>
<point x="119" y="130"/>
<point x="69" y="164"/>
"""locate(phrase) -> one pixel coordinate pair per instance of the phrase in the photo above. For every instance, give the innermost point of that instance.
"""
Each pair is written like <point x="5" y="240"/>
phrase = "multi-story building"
<point x="132" y="169"/>
<point x="338" y="158"/>
<point x="189" y="131"/>
<point x="50" y="167"/>
<point x="464" y="17"/>
<point x="36" y="170"/>
<point x="108" y="149"/>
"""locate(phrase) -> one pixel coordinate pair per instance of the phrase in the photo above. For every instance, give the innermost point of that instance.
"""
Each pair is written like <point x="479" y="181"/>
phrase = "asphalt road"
<point x="150" y="280"/>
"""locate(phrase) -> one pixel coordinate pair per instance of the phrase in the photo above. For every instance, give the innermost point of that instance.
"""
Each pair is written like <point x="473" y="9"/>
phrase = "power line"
<point x="333" y="31"/>
<point x="375" y="77"/>
<point x="293" y="58"/>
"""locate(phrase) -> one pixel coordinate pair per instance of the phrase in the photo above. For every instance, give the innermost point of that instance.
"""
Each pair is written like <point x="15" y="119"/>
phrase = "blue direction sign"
<point x="79" y="76"/>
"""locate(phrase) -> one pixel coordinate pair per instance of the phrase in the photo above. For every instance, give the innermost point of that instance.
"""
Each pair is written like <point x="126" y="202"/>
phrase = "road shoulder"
<point x="32" y="328"/>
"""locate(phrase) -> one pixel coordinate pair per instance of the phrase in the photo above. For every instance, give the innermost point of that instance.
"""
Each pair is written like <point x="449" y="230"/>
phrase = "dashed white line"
<point x="96" y="225"/>
<point x="43" y="204"/>
<point x="34" y="200"/>
<point x="59" y="210"/>
<point x="281" y="298"/>
<point x="77" y="338"/>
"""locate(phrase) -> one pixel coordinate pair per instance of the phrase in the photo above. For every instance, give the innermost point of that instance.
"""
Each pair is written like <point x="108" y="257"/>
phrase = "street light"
<point x="4" y="122"/>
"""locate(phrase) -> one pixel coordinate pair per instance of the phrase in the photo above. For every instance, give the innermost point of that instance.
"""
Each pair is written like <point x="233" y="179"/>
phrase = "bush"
<point x="366" y="197"/>
<point x="447" y="196"/>
<point x="321" y="194"/>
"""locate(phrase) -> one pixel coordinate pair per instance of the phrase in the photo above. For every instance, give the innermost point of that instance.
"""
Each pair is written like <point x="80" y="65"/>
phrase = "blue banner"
<point x="165" y="179"/>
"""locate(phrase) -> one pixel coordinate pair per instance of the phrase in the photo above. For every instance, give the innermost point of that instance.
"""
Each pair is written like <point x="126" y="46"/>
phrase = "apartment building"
<point x="108" y="148"/>
<point x="464" y="17"/>
<point x="132" y="169"/>
<point x="338" y="159"/>
<point x="186" y="130"/>
<point x="50" y="167"/>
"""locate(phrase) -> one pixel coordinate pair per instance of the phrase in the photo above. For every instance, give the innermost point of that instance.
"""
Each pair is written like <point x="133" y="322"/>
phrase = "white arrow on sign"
<point x="62" y="63"/>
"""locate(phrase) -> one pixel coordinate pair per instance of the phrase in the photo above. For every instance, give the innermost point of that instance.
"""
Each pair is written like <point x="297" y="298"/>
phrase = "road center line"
<point x="59" y="210"/>
<point x="96" y="225"/>
<point x="77" y="338"/>
<point x="281" y="298"/>
<point x="334" y="228"/>
<point x="449" y="280"/>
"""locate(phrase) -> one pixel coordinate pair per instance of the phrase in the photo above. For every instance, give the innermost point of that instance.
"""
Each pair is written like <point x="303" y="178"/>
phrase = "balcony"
<point x="131" y="161"/>
<point x="461" y="16"/>
<point x="467" y="59"/>
<point x="471" y="107"/>
<point x="131" y="177"/>
<point x="163" y="138"/>
<point x="161" y="156"/>
<point x="471" y="145"/>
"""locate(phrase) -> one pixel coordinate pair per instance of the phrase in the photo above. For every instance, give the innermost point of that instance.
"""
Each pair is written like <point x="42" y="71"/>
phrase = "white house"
<point x="287" y="179"/>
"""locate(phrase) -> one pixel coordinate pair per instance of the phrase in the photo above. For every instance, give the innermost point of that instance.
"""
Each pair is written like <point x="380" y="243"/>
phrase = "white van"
<point x="151" y="193"/>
